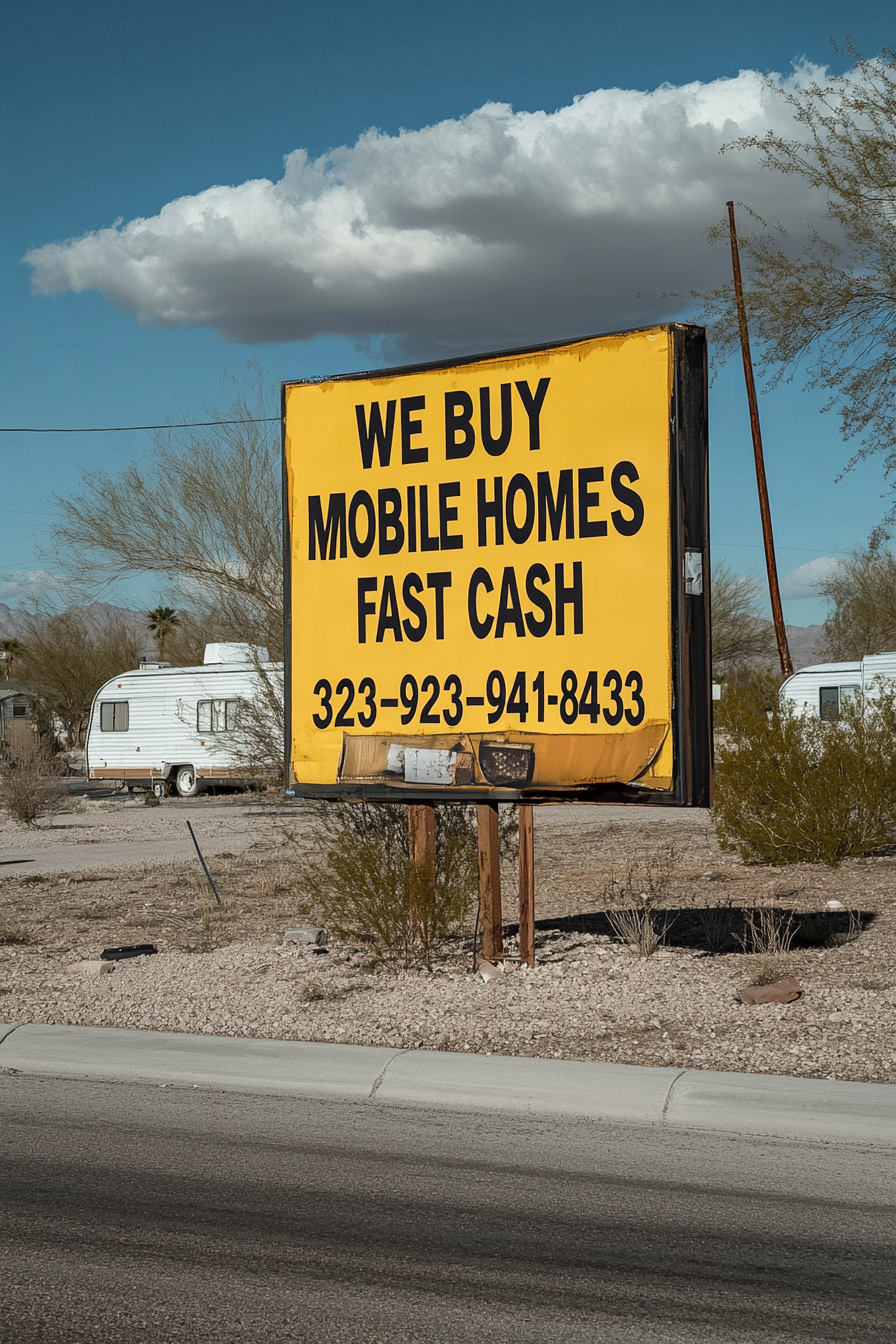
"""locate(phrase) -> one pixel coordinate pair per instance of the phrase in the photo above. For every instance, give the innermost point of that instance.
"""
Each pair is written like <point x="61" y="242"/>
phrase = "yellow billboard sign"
<point x="493" y="575"/>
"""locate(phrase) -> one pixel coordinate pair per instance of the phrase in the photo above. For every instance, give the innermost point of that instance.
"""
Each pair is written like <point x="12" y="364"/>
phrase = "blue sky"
<point x="113" y="112"/>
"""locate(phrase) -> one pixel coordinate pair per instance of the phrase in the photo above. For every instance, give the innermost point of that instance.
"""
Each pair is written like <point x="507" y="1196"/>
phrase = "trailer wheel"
<point x="189" y="785"/>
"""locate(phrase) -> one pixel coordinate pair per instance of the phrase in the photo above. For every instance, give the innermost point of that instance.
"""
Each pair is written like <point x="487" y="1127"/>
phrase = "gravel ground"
<point x="227" y="971"/>
<point x="122" y="819"/>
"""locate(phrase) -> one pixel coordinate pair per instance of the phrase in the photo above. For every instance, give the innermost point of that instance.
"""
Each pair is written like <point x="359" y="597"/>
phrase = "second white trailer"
<point x="823" y="688"/>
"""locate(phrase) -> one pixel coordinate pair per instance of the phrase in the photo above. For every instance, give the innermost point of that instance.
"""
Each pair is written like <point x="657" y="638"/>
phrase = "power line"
<point x="126" y="429"/>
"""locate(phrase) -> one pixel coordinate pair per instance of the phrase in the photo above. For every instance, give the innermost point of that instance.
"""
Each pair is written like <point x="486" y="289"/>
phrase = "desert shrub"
<point x="358" y="877"/>
<point x="717" y="924"/>
<point x="30" y="787"/>
<point x="766" y="970"/>
<point x="855" y="923"/>
<point x="747" y="698"/>
<point x="633" y="897"/>
<point x="790" y="788"/>
<point x="767" y="931"/>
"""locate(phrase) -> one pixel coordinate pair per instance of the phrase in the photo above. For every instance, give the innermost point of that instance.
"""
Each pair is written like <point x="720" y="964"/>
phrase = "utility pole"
<point x="762" y="485"/>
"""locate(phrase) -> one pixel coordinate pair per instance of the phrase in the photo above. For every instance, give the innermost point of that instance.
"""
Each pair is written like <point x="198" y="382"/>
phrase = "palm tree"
<point x="10" y="650"/>
<point x="162" y="622"/>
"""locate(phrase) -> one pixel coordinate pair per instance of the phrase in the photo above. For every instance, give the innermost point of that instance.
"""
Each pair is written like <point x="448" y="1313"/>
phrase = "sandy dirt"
<point x="227" y="971"/>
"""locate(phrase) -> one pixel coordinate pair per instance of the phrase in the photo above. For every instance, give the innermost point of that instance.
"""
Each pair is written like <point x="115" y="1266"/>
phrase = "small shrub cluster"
<point x="766" y="970"/>
<point x="717" y="925"/>
<point x="358" y="877"/>
<point x="30" y="787"/>
<point x="767" y="931"/>
<point x="790" y="788"/>
<point x="633" y="903"/>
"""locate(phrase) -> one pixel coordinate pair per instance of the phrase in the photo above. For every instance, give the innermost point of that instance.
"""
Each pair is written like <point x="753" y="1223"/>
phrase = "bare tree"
<point x="66" y="661"/>
<point x="10" y="652"/>
<point x="740" y="637"/>
<point x="202" y="511"/>
<point x="258" y="742"/>
<point x="862" y="590"/>
<point x="826" y="303"/>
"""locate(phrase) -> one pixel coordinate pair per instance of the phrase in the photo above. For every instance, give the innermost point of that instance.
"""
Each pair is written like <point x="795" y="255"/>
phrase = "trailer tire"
<point x="188" y="783"/>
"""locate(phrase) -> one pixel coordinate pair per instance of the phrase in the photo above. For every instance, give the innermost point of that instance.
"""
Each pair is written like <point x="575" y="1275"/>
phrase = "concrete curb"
<point x="803" y="1108"/>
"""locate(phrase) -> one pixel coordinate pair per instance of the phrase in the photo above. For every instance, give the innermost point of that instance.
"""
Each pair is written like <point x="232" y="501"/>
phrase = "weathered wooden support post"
<point x="490" y="881"/>
<point x="422" y="837"/>
<point x="422" y="821"/>
<point x="527" y="885"/>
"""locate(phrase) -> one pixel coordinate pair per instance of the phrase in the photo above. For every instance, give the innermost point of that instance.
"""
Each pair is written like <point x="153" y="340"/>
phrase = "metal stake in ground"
<point x="208" y="875"/>
<point x="490" y="881"/>
<point x="527" y="885"/>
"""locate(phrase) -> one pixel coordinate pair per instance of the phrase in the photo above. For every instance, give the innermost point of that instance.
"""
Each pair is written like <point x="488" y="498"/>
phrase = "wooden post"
<point x="422" y="821"/>
<point x="490" y="881"/>
<point x="422" y="836"/>
<point x="527" y="885"/>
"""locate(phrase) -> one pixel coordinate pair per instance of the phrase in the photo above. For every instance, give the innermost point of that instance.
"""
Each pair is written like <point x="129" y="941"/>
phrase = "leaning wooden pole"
<point x="761" y="483"/>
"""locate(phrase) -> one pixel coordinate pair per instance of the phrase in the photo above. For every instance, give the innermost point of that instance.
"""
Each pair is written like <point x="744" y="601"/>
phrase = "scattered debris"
<point x="306" y="933"/>
<point x="122" y="953"/>
<point x="92" y="967"/>
<point x="588" y="996"/>
<point x="787" y="990"/>
<point x="834" y="905"/>
<point x="488" y="970"/>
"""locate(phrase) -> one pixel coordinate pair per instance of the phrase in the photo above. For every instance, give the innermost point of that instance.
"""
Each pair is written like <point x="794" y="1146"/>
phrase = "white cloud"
<point x="9" y="590"/>
<point x="499" y="227"/>
<point x="27" y="586"/>
<point x="804" y="581"/>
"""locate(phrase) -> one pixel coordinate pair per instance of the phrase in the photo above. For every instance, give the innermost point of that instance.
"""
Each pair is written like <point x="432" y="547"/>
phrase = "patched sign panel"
<point x="494" y="575"/>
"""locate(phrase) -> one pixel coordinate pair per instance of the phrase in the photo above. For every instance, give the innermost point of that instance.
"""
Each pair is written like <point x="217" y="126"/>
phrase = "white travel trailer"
<point x="822" y="689"/>
<point x="167" y="728"/>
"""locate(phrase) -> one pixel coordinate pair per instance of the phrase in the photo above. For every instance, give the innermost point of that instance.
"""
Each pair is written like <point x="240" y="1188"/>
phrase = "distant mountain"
<point x="804" y="642"/>
<point x="14" y="623"/>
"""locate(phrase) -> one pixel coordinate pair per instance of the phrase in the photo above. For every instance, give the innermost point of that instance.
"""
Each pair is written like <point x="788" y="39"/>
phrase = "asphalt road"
<point x="136" y="1212"/>
<point x="81" y="855"/>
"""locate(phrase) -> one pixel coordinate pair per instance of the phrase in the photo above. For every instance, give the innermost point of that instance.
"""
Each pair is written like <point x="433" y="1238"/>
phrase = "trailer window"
<point x="829" y="702"/>
<point x="115" y="716"/>
<point x="216" y="716"/>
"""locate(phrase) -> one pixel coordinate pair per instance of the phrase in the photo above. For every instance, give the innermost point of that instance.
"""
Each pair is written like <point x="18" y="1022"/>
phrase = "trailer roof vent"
<point x="151" y="664"/>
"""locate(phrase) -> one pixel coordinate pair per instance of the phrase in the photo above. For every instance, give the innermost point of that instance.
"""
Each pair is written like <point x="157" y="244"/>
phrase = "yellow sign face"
<point x="480" y="574"/>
